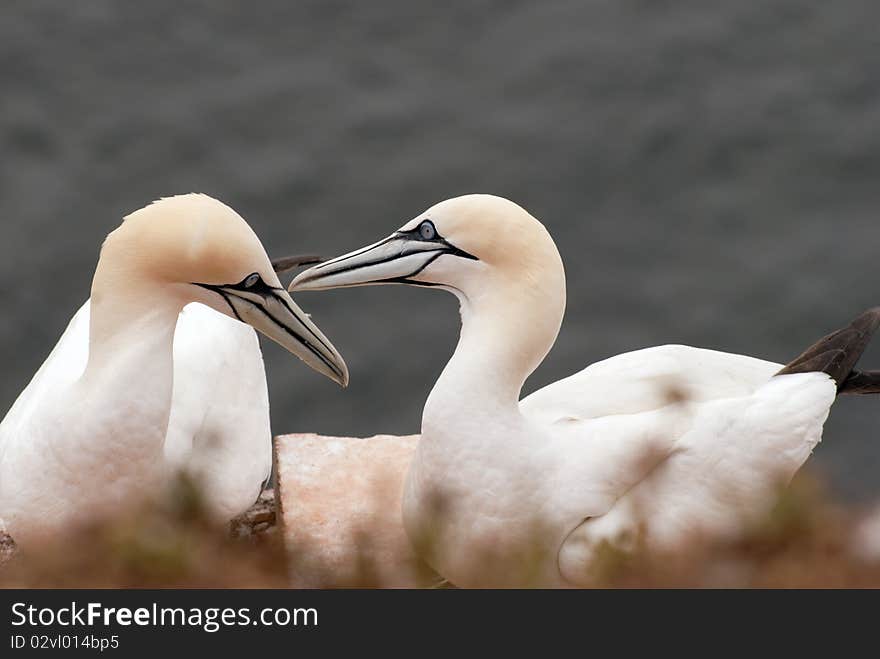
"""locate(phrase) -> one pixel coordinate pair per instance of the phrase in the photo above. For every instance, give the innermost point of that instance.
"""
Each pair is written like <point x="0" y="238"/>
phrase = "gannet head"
<point x="200" y="250"/>
<point x="469" y="245"/>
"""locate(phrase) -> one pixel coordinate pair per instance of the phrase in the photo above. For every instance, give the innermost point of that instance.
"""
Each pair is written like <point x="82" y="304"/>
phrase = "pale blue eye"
<point x="252" y="280"/>
<point x="427" y="230"/>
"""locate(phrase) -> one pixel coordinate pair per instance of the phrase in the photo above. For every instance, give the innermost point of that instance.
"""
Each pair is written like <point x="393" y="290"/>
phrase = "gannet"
<point x="160" y="371"/>
<point x="652" y="446"/>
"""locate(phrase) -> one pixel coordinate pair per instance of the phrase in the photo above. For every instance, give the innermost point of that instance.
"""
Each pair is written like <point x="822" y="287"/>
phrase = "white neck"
<point x="507" y="330"/>
<point x="132" y="331"/>
<point x="128" y="381"/>
<point x="473" y="433"/>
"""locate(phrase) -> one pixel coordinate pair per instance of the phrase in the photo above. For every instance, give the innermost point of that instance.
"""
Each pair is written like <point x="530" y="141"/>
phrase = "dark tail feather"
<point x="837" y="354"/>
<point x="288" y="263"/>
<point x="860" y="383"/>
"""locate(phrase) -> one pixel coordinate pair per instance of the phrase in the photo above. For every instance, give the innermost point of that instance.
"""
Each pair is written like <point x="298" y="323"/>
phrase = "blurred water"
<point x="709" y="170"/>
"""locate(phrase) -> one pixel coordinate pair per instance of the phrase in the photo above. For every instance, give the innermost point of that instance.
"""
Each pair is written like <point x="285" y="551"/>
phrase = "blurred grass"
<point x="172" y="543"/>
<point x="806" y="542"/>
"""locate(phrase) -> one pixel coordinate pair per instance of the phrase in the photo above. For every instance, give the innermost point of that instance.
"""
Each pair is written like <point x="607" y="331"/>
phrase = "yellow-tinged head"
<point x="470" y="245"/>
<point x="498" y="259"/>
<point x="197" y="249"/>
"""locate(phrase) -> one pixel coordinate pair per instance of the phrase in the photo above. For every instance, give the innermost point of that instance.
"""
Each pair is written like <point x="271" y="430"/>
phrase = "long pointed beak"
<point x="395" y="260"/>
<point x="272" y="312"/>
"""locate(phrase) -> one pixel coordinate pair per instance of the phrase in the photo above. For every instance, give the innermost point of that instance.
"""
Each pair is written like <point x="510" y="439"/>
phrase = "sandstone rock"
<point x="339" y="511"/>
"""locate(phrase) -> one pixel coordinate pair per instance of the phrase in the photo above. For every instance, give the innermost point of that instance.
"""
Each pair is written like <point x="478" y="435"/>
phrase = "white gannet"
<point x="156" y="374"/>
<point x="655" y="444"/>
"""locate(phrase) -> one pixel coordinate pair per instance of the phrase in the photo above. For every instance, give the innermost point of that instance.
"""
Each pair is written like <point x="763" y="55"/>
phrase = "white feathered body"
<point x="64" y="456"/>
<point x="660" y="443"/>
<point x="666" y="442"/>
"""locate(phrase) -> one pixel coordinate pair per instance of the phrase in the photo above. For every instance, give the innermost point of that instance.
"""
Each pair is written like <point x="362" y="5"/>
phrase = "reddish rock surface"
<point x="339" y="511"/>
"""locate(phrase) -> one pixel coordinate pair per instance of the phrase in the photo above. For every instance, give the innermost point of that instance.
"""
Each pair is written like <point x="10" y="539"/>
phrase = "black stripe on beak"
<point x="251" y="286"/>
<point x="448" y="247"/>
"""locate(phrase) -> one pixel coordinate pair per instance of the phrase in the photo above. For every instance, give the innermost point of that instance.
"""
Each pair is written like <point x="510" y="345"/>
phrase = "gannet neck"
<point x="142" y="323"/>
<point x="507" y="330"/>
<point x="507" y="273"/>
<point x="128" y="382"/>
<point x="130" y="311"/>
<point x="473" y="431"/>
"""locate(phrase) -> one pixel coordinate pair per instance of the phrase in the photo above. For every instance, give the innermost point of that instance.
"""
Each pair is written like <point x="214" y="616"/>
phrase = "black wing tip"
<point x="837" y="353"/>
<point x="861" y="383"/>
<point x="288" y="263"/>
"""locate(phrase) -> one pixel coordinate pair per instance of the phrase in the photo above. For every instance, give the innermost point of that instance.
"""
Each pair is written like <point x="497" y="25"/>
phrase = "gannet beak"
<point x="272" y="312"/>
<point x="394" y="260"/>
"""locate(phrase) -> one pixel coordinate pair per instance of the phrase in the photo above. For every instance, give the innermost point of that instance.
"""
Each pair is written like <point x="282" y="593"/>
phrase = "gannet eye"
<point x="427" y="230"/>
<point x="251" y="280"/>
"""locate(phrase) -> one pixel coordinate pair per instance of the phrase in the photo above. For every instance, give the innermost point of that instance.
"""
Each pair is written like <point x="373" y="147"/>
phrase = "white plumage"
<point x="155" y="374"/>
<point x="218" y="428"/>
<point x="658" y="444"/>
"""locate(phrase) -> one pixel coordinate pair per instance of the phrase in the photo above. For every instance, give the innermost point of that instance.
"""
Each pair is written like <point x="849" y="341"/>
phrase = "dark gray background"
<point x="709" y="170"/>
